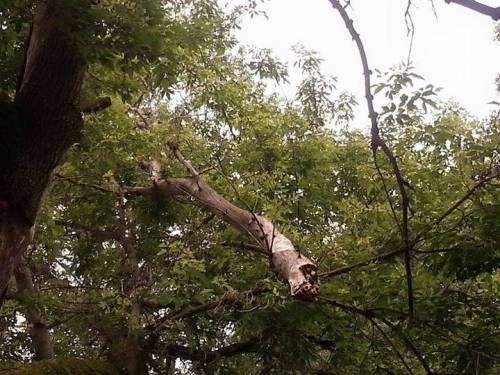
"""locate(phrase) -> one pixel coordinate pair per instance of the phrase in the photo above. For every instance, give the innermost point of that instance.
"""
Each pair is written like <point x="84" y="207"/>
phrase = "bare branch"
<point x="371" y="316"/>
<point x="378" y="142"/>
<point x="375" y="259"/>
<point x="177" y="153"/>
<point x="389" y="341"/>
<point x="493" y="12"/>
<point x="60" y="177"/>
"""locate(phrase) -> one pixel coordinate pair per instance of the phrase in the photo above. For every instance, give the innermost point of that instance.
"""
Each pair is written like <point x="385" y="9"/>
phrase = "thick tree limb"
<point x="46" y="122"/>
<point x="476" y="6"/>
<point x="291" y="266"/>
<point x="378" y="142"/>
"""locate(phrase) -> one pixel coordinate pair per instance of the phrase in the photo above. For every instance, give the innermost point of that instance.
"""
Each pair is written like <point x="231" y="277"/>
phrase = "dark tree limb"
<point x="476" y="6"/>
<point x="96" y="105"/>
<point x="378" y="142"/>
<point x="371" y="315"/>
<point x="349" y="268"/>
<point x="46" y="122"/>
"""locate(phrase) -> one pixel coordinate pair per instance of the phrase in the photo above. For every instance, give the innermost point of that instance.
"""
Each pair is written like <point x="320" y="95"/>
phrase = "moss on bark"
<point x="65" y="366"/>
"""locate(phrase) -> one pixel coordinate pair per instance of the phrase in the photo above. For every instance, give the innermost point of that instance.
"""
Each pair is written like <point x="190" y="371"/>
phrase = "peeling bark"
<point x="293" y="268"/>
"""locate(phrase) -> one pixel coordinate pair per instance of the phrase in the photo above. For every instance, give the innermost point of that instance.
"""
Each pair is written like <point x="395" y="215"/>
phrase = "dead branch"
<point x="291" y="267"/>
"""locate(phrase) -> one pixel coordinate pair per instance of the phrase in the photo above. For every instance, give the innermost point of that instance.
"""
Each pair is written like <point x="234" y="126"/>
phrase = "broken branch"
<point x="293" y="268"/>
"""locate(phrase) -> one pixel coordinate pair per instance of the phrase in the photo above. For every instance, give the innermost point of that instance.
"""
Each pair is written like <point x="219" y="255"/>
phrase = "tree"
<point x="124" y="268"/>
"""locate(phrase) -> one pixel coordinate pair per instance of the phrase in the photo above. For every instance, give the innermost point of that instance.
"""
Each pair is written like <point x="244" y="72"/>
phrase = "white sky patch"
<point x="456" y="51"/>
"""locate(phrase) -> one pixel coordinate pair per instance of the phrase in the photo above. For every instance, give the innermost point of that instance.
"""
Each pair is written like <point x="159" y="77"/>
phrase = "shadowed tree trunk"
<point x="42" y="123"/>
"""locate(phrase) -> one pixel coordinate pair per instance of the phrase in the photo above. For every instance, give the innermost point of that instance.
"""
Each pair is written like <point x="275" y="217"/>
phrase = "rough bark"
<point x="293" y="268"/>
<point x="37" y="327"/>
<point x="45" y="121"/>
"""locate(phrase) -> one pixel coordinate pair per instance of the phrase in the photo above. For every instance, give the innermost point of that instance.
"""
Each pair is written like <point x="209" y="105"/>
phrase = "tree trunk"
<point x="44" y="121"/>
<point x="126" y="352"/>
<point x="37" y="328"/>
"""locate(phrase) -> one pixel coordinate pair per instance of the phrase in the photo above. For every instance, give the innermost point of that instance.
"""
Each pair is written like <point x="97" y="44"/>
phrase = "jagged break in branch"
<point x="293" y="268"/>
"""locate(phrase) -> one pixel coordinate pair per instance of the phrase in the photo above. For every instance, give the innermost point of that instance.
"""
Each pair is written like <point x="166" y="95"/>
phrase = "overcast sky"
<point x="455" y="51"/>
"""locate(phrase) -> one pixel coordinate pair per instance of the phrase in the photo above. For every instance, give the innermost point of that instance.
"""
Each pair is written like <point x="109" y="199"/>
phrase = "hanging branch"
<point x="293" y="268"/>
<point x="378" y="142"/>
<point x="493" y="12"/>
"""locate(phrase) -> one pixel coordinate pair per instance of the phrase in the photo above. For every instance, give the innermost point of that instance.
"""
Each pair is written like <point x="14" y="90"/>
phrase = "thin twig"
<point x="371" y="315"/>
<point x="178" y="155"/>
<point x="375" y="259"/>
<point x="378" y="142"/>
<point x="457" y="205"/>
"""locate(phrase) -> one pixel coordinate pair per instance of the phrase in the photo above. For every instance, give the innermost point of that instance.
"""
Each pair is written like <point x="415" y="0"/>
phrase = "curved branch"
<point x="371" y="315"/>
<point x="378" y="142"/>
